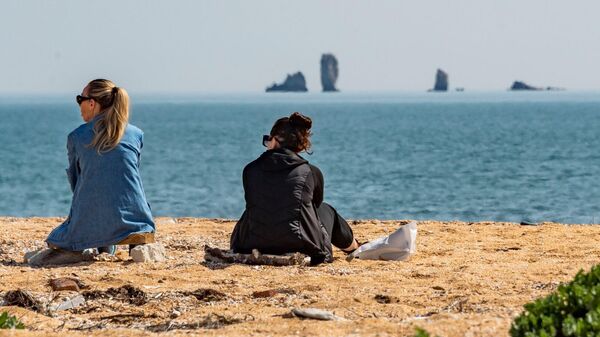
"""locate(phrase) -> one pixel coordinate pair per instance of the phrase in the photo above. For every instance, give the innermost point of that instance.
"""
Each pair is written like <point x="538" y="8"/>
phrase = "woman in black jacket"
<point x="285" y="212"/>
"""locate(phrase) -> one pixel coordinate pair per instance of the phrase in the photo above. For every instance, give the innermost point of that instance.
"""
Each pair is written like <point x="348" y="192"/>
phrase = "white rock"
<point x="153" y="252"/>
<point x="28" y="255"/>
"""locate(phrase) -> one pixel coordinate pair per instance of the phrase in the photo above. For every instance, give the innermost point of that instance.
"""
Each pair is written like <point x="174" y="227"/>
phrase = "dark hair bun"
<point x="298" y="120"/>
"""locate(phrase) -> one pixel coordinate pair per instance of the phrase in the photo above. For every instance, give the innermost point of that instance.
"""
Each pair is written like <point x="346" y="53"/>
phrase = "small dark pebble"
<point x="386" y="299"/>
<point x="527" y="223"/>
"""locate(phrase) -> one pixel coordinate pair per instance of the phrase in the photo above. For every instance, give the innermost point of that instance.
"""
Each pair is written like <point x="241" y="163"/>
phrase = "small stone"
<point x="272" y="292"/>
<point x="122" y="255"/>
<point x="64" y="283"/>
<point x="30" y="254"/>
<point x="167" y="221"/>
<point x="106" y="257"/>
<point x="153" y="252"/>
<point x="207" y="295"/>
<point x="265" y="293"/>
<point x="386" y="299"/>
<point x="175" y="313"/>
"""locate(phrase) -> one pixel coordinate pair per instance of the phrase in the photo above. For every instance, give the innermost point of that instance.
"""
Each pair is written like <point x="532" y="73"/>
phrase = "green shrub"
<point x="421" y="333"/>
<point x="8" y="321"/>
<point x="572" y="310"/>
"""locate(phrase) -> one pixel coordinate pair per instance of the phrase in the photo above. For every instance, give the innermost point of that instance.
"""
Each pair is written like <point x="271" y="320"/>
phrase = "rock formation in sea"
<point x="294" y="82"/>
<point x="441" y="81"/>
<point x="329" y="72"/>
<point x="519" y="85"/>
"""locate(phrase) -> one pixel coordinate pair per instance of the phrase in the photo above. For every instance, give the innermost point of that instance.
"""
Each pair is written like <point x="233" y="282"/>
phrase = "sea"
<point x="469" y="156"/>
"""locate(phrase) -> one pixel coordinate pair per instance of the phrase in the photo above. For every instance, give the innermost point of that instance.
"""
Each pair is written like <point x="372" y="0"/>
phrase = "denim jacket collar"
<point x="96" y="118"/>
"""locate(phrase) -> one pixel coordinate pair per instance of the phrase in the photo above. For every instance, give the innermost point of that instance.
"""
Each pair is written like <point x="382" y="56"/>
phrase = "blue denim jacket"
<point x="109" y="202"/>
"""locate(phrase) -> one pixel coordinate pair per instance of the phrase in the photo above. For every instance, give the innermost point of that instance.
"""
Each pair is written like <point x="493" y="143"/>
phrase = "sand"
<point x="466" y="279"/>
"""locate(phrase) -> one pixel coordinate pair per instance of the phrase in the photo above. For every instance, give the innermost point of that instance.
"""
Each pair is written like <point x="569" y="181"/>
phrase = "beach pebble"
<point x="167" y="221"/>
<point x="64" y="283"/>
<point x="106" y="257"/>
<point x="30" y="254"/>
<point x="153" y="252"/>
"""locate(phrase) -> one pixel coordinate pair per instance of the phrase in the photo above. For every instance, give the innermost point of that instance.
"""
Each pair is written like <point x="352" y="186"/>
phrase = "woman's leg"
<point x="338" y="229"/>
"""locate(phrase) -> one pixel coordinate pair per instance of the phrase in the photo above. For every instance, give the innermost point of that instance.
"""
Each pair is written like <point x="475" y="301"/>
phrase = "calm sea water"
<point x="500" y="156"/>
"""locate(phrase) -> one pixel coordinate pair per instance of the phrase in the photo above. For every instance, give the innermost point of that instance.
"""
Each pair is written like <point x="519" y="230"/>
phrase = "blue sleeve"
<point x="73" y="169"/>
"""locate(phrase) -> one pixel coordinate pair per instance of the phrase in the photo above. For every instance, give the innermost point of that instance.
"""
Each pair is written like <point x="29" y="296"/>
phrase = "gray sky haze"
<point x="49" y="46"/>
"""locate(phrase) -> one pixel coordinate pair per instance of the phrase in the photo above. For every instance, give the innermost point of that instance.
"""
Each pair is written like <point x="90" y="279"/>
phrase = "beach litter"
<point x="152" y="252"/>
<point x="69" y="303"/>
<point x="314" y="313"/>
<point x="256" y="258"/>
<point x="397" y="246"/>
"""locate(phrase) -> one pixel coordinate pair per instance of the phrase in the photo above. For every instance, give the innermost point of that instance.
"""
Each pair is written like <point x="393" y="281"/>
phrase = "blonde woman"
<point x="109" y="204"/>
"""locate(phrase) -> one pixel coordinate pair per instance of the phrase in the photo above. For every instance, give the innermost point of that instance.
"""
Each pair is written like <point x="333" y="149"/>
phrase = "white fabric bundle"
<point x="397" y="246"/>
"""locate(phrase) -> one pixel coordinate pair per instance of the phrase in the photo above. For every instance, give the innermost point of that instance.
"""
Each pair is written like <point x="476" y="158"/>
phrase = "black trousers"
<point x="338" y="229"/>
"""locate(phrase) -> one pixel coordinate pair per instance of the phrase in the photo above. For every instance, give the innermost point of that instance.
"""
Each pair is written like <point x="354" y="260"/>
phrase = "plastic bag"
<point x="397" y="246"/>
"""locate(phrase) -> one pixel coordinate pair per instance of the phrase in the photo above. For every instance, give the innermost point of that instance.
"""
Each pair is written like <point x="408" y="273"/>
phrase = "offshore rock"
<point x="294" y="82"/>
<point x="329" y="72"/>
<point x="519" y="85"/>
<point x="441" y="81"/>
<point x="152" y="252"/>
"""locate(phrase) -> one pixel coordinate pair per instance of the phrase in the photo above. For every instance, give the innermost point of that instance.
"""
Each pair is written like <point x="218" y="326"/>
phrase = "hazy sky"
<point x="230" y="46"/>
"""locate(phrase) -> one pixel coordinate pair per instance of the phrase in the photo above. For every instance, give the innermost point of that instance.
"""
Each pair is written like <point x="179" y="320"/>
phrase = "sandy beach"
<point x="466" y="279"/>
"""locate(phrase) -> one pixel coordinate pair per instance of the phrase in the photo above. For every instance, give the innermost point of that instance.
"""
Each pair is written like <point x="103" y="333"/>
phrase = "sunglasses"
<point x="80" y="99"/>
<point x="267" y="139"/>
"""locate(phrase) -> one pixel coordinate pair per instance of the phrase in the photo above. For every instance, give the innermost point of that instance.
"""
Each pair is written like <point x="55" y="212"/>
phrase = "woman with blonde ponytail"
<point x="109" y="204"/>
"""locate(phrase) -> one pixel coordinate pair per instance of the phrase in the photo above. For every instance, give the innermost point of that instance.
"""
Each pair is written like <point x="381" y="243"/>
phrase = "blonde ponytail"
<point x="114" y="103"/>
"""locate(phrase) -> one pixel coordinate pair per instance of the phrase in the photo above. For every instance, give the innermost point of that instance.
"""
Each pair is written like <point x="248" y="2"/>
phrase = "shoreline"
<point x="465" y="279"/>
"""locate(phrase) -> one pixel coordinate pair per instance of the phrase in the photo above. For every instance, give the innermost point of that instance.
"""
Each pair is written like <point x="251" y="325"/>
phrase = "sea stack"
<point x="519" y="85"/>
<point x="329" y="72"/>
<point x="294" y="83"/>
<point x="441" y="81"/>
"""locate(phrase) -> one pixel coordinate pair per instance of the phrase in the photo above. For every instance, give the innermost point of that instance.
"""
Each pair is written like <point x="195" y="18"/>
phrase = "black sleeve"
<point x="245" y="182"/>
<point x="319" y="183"/>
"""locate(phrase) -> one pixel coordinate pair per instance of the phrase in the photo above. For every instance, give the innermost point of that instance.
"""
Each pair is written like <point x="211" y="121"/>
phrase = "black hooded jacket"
<point x="282" y="191"/>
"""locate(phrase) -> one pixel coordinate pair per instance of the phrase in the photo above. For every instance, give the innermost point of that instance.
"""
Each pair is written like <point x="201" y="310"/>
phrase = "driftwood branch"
<point x="256" y="258"/>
